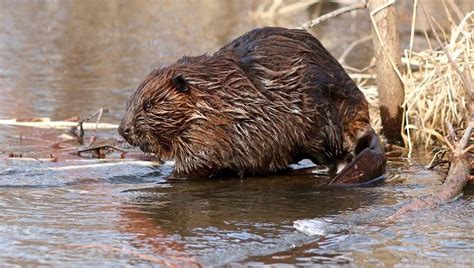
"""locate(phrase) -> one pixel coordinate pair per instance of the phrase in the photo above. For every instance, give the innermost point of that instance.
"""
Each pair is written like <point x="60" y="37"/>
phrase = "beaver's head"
<point x="157" y="112"/>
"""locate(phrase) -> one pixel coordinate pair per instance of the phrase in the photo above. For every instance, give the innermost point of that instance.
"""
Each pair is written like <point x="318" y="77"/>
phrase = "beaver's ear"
<point x="180" y="83"/>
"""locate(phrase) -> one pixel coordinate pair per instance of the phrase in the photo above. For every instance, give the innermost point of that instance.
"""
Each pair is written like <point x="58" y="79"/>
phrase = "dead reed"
<point x="435" y="93"/>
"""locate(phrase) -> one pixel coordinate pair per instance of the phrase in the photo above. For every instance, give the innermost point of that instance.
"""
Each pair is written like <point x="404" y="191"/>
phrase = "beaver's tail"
<point x="368" y="163"/>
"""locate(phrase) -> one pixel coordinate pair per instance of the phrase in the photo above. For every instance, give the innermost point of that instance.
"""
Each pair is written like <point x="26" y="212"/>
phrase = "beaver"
<point x="269" y="98"/>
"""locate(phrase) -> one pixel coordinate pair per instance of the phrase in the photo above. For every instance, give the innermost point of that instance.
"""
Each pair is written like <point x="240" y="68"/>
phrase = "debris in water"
<point x="312" y="227"/>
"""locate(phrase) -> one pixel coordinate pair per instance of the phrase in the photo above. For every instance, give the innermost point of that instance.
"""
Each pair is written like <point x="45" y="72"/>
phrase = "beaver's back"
<point x="295" y="62"/>
<point x="270" y="52"/>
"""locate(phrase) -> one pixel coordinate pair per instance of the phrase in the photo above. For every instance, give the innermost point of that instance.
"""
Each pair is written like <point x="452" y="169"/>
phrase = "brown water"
<point x="65" y="58"/>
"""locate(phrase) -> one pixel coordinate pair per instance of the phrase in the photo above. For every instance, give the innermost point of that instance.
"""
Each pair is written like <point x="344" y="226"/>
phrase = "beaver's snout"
<point x="126" y="131"/>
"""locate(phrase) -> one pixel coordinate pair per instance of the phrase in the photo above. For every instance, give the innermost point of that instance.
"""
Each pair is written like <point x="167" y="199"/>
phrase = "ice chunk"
<point x="312" y="227"/>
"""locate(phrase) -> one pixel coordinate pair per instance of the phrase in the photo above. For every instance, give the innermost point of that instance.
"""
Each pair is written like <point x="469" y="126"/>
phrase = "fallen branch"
<point x="101" y="150"/>
<point x="57" y="124"/>
<point x="109" y="164"/>
<point x="335" y="13"/>
<point x="457" y="178"/>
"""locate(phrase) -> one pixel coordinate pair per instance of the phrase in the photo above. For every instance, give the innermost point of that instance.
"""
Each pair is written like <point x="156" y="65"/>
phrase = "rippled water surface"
<point x="61" y="59"/>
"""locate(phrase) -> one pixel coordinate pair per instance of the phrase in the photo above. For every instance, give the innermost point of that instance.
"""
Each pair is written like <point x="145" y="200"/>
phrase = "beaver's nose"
<point x="125" y="130"/>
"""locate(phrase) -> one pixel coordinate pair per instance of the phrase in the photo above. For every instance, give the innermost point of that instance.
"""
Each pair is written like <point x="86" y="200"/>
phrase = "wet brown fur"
<point x="267" y="99"/>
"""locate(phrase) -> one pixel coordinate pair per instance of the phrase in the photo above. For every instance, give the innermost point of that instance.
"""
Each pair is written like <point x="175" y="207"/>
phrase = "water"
<point x="61" y="59"/>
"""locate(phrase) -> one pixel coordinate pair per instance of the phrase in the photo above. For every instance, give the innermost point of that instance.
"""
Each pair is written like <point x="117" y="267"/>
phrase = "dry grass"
<point x="435" y="93"/>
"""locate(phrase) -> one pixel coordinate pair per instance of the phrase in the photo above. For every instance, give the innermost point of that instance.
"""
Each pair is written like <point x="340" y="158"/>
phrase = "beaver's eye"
<point x="147" y="106"/>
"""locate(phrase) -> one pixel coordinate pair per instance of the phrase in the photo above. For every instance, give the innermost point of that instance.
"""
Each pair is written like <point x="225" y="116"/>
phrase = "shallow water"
<point x="60" y="59"/>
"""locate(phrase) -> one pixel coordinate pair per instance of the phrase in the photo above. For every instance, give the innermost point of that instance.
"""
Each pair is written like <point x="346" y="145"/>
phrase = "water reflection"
<point x="63" y="58"/>
<point x="221" y="221"/>
<point x="185" y="205"/>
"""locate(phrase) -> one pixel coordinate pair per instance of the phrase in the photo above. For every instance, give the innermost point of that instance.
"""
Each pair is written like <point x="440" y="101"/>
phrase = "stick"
<point x="101" y="147"/>
<point x="108" y="165"/>
<point x="437" y="159"/>
<point x="335" y="13"/>
<point x="456" y="9"/>
<point x="57" y="124"/>
<point x="93" y="135"/>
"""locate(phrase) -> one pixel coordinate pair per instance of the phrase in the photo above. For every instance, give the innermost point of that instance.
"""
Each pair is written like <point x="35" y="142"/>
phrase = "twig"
<point x="468" y="77"/>
<point x="465" y="138"/>
<point x="52" y="159"/>
<point x="57" y="124"/>
<point x="451" y="132"/>
<point x="438" y="163"/>
<point x="108" y="165"/>
<point x="450" y="57"/>
<point x="471" y="147"/>
<point x="406" y="122"/>
<point x="382" y="7"/>
<point x="362" y="76"/>
<point x="437" y="158"/>
<point x="80" y="125"/>
<point x="98" y="151"/>
<point x="448" y="14"/>
<point x="80" y="137"/>
<point x="456" y="9"/>
<point x="335" y="13"/>
<point x="101" y="147"/>
<point x="412" y="36"/>
<point x="448" y="143"/>
<point x="93" y="135"/>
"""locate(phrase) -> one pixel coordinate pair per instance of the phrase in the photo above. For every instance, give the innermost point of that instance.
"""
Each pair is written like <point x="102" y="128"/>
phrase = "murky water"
<point x="60" y="59"/>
